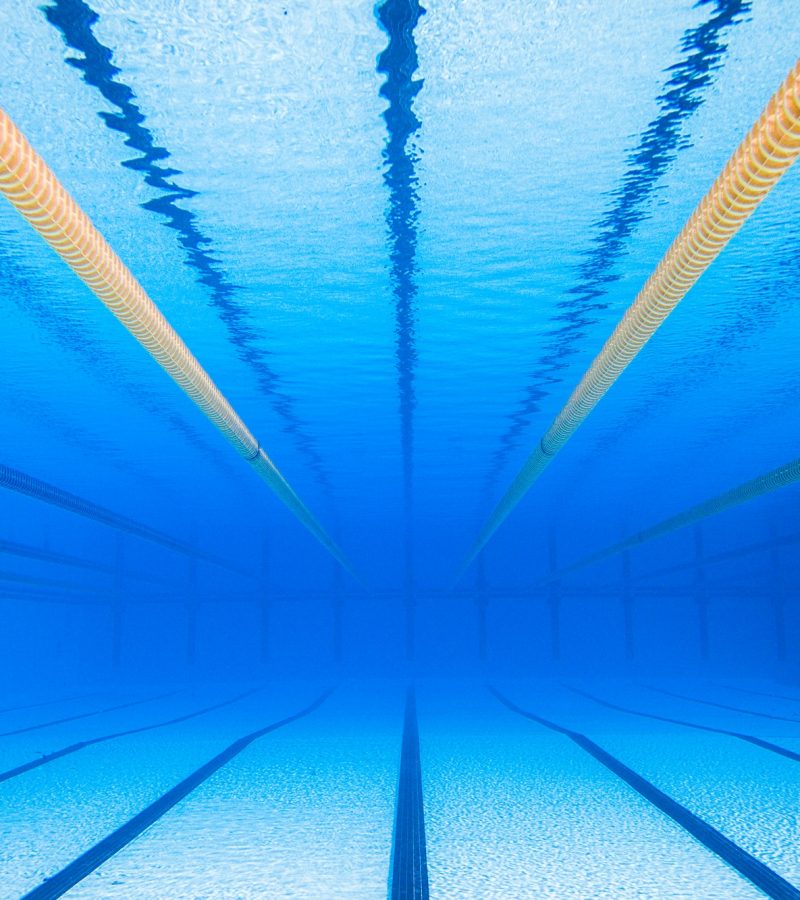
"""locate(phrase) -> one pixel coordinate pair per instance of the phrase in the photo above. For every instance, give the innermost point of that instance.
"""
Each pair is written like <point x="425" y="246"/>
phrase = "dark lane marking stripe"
<point x="74" y="748"/>
<point x="86" y="715"/>
<point x="409" y="871"/>
<point x="755" y="871"/>
<point x="751" y="739"/>
<point x="6" y="709"/>
<point x="86" y="863"/>
<point x="739" y="709"/>
<point x="741" y="690"/>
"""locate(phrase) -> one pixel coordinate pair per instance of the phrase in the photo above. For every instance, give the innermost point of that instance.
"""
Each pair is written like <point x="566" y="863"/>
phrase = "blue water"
<point x="396" y="236"/>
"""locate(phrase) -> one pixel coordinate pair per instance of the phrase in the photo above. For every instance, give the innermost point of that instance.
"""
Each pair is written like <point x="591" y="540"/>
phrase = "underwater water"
<point x="394" y="238"/>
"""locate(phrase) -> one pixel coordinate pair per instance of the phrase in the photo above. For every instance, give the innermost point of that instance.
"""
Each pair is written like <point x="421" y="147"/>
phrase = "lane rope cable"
<point x="22" y="483"/>
<point x="28" y="551"/>
<point x="783" y="476"/>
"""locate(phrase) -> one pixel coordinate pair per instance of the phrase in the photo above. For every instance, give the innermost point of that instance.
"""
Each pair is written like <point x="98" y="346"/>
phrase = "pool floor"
<point x="448" y="789"/>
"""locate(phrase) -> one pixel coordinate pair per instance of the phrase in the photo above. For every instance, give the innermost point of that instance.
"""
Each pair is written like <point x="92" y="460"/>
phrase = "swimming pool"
<point x="492" y="589"/>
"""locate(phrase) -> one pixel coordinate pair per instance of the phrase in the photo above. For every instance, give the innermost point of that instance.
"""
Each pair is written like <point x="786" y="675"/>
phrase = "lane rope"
<point x="765" y="154"/>
<point x="33" y="189"/>
<point x="783" y="476"/>
<point x="23" y="483"/>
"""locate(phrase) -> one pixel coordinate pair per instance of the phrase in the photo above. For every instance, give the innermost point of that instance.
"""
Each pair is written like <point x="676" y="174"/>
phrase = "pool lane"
<point x="640" y="713"/>
<point x="53" y="814"/>
<point x="16" y="706"/>
<point x="46" y="758"/>
<point x="119" y="715"/>
<point x="746" y="792"/>
<point x="106" y="712"/>
<point x="515" y="810"/>
<point x="771" y="716"/>
<point x="307" y="812"/>
<point x="45" y="719"/>
<point x="745" y="863"/>
<point x="98" y="711"/>
<point x="749" y="710"/>
<point x="760" y="689"/>
<point x="511" y="809"/>
<point x="90" y="860"/>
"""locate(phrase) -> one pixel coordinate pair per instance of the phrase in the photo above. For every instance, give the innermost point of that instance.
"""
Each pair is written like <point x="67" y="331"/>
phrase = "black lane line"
<point x="86" y="863"/>
<point x="739" y="709"/>
<point x="6" y="709"/>
<point x="741" y="690"/>
<point x="409" y="868"/>
<point x="750" y="738"/>
<point x="74" y="748"/>
<point x="755" y="871"/>
<point x="86" y="715"/>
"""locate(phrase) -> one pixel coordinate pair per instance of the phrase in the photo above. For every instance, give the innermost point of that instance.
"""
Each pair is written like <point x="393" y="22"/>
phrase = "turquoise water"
<point x="396" y="237"/>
